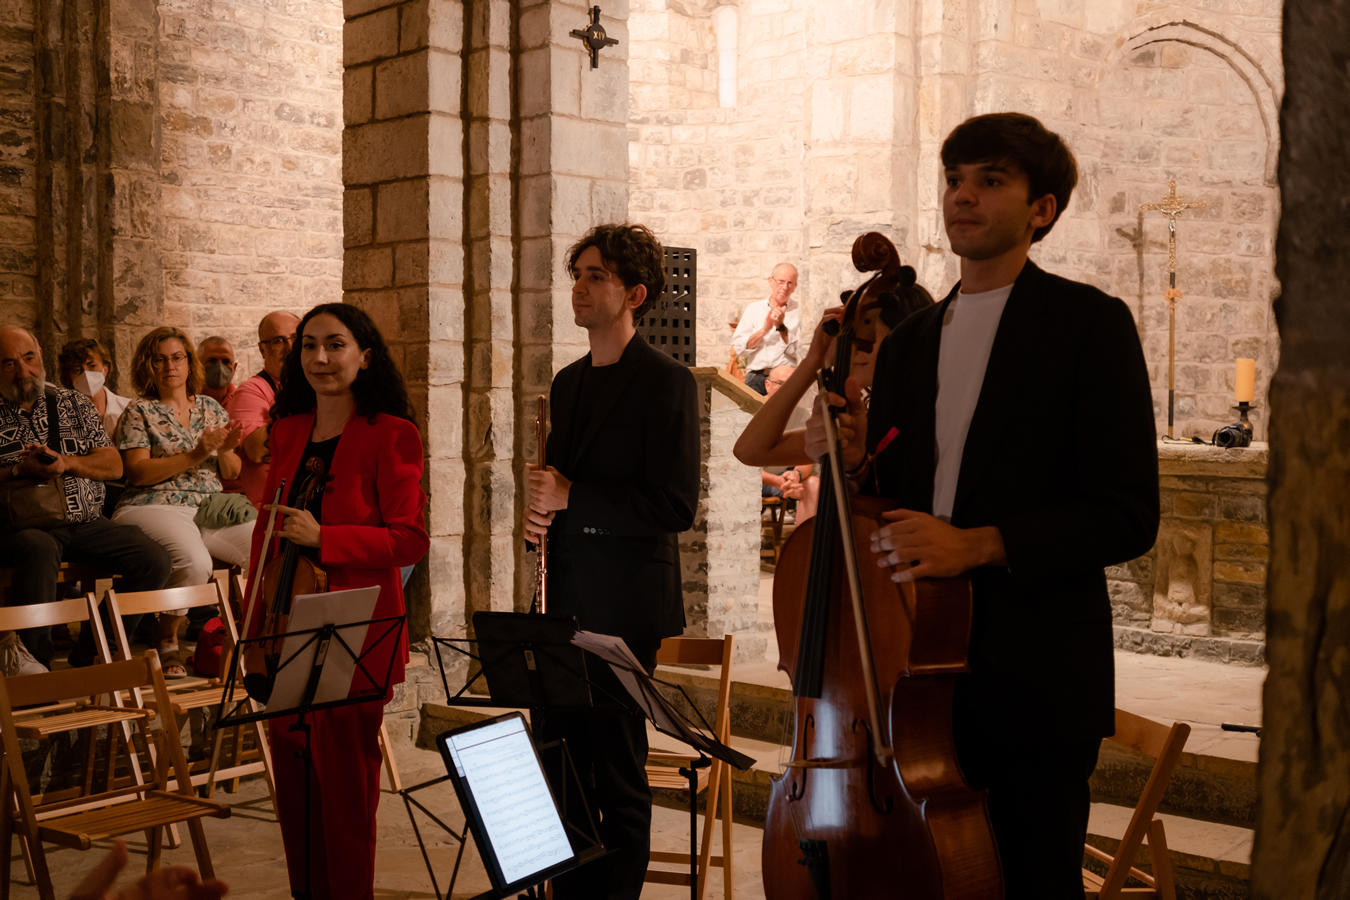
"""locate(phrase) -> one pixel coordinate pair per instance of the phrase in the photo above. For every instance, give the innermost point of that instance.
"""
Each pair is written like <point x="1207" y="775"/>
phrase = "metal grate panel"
<point x="671" y="324"/>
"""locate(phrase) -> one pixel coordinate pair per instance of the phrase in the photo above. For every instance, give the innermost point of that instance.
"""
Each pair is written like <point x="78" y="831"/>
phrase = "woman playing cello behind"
<point x="343" y="402"/>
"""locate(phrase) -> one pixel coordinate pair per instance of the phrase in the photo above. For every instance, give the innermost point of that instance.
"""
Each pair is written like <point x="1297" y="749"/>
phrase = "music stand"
<point x="525" y="647"/>
<point x="306" y="653"/>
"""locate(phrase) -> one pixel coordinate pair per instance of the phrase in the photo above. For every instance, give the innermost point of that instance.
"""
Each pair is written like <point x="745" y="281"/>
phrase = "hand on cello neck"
<point x="851" y="425"/>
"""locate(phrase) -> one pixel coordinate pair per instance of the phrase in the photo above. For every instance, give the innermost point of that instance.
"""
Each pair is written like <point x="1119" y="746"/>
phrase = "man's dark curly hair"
<point x="631" y="252"/>
<point x="1022" y="141"/>
<point x="378" y="387"/>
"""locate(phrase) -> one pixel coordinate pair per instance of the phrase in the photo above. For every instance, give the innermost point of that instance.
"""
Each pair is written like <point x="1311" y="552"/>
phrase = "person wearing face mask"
<point x="251" y="405"/>
<point x="218" y="365"/>
<point x="84" y="365"/>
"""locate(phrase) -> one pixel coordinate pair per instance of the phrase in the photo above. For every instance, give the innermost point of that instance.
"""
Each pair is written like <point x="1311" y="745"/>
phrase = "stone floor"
<point x="246" y="848"/>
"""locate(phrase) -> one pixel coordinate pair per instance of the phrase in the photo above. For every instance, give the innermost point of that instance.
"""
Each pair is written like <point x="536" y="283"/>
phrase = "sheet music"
<point x="314" y="611"/>
<point x="498" y="765"/>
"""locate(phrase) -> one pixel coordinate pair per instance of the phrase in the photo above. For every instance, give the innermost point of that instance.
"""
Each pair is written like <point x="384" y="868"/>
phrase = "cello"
<point x="871" y="801"/>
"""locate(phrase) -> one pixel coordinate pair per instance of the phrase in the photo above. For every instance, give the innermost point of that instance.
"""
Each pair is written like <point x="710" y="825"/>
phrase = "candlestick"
<point x="1246" y="380"/>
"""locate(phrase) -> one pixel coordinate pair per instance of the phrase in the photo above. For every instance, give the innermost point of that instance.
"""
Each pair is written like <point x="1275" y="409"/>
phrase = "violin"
<point x="871" y="801"/>
<point x="284" y="577"/>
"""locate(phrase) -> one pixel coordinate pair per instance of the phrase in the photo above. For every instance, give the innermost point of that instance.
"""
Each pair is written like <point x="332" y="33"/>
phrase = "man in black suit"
<point x="1026" y="457"/>
<point x="623" y="484"/>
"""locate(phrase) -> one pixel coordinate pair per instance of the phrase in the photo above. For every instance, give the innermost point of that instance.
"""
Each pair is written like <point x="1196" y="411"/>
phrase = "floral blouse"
<point x="151" y="425"/>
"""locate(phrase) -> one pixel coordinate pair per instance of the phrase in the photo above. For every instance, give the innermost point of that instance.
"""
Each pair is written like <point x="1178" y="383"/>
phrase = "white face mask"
<point x="89" y="383"/>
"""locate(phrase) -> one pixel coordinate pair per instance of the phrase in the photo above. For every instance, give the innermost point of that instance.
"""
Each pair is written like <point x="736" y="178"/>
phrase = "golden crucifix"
<point x="1171" y="206"/>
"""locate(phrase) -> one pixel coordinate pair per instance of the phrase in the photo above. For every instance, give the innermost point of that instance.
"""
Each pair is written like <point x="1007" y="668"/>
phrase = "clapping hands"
<point x="215" y="441"/>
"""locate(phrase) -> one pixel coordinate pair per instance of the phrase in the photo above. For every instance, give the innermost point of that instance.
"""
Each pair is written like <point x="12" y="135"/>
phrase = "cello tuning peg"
<point x="843" y="297"/>
<point x="907" y="276"/>
<point x="832" y="328"/>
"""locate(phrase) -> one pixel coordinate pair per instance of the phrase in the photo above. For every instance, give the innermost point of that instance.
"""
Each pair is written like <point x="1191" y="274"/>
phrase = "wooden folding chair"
<point x="70" y="715"/>
<point x="79" y="822"/>
<point x="776" y="511"/>
<point x="704" y="652"/>
<point x="1164" y="744"/>
<point x="196" y="693"/>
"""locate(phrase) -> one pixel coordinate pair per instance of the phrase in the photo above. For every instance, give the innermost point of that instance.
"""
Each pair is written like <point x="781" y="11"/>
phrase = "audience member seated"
<point x="252" y="404"/>
<point x="771" y="438"/>
<point x="176" y="445"/>
<point x="84" y="365"/>
<point x="795" y="484"/>
<point x="766" y="335"/>
<point x="85" y="458"/>
<point x="218" y="365"/>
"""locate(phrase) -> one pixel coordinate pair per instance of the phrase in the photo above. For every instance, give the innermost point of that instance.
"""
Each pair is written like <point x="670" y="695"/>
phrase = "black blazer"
<point x="614" y="553"/>
<point x="1062" y="457"/>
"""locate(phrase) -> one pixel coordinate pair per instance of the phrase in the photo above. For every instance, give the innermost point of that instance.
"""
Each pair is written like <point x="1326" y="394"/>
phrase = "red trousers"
<point x="344" y="791"/>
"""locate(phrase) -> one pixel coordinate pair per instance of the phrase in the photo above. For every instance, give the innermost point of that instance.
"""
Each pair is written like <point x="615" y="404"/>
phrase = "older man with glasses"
<point x="252" y="402"/>
<point x="45" y="433"/>
<point x="767" y="333"/>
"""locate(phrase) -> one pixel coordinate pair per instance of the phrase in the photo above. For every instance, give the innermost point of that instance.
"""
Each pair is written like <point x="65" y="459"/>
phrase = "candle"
<point x="1246" y="380"/>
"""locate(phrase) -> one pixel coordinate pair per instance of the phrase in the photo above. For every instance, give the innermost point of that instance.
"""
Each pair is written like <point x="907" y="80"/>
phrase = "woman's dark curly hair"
<point x="378" y="387"/>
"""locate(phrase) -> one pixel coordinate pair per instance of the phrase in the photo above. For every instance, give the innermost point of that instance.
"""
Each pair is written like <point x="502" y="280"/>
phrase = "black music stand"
<point x="533" y="663"/>
<point x="323" y="640"/>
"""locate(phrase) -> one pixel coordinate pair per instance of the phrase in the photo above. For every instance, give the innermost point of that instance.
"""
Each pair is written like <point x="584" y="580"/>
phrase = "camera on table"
<point x="1231" y="436"/>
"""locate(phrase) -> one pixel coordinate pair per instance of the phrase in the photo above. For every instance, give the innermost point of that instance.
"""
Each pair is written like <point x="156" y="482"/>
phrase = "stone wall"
<point x="842" y="110"/>
<point x="1201" y="591"/>
<point x="182" y="168"/>
<point x="18" y="157"/>
<point x="720" y="554"/>
<point x="250" y="105"/>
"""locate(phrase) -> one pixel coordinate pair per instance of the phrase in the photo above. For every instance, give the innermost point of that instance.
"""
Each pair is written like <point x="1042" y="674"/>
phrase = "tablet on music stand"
<point x="507" y="800"/>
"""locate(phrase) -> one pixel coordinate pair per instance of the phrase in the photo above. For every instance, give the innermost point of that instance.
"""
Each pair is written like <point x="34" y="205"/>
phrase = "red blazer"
<point x="372" y="519"/>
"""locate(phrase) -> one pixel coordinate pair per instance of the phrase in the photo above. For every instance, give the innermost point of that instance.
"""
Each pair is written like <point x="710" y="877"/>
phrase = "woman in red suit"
<point x="342" y="400"/>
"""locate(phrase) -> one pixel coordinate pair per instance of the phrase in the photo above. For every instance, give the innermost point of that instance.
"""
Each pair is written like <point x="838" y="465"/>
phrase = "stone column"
<point x="1302" y="849"/>
<point x="403" y="168"/>
<point x="943" y="67"/>
<point x="572" y="173"/>
<point x="491" y="549"/>
<point x="130" y="275"/>
<point x="66" y="209"/>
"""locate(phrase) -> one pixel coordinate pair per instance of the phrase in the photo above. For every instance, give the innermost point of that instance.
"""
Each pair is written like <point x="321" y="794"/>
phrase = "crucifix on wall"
<point x="594" y="37"/>
<point x="1171" y="206"/>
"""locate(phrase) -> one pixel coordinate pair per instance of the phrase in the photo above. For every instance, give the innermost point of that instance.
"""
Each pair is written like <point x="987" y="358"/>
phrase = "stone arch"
<point x="1250" y="63"/>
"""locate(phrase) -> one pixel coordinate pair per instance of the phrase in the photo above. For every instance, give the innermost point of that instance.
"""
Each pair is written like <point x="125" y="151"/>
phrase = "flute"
<point x="541" y="555"/>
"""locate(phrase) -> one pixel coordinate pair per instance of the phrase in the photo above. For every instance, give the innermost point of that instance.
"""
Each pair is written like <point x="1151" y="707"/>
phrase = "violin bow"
<point x="262" y="558"/>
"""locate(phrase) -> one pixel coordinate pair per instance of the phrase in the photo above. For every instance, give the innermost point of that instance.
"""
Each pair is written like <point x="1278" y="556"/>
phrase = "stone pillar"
<point x="130" y="275"/>
<point x="491" y="549"/>
<point x="403" y="168"/>
<point x="66" y="180"/>
<point x="572" y="173"/>
<point x="1302" y="848"/>
<point x="944" y="65"/>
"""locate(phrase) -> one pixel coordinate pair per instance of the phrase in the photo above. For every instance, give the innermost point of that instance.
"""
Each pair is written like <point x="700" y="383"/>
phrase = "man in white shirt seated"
<point x="768" y="330"/>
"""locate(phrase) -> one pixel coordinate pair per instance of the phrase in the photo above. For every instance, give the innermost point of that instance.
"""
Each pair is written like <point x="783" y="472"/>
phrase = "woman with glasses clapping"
<point x="176" y="445"/>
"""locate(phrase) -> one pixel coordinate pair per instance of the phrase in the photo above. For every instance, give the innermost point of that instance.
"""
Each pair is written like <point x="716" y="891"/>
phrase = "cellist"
<point x="342" y="400"/>
<point x="1025" y="455"/>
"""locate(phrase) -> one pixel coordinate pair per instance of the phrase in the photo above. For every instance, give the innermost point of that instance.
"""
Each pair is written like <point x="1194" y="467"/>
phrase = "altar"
<point x="1201" y="590"/>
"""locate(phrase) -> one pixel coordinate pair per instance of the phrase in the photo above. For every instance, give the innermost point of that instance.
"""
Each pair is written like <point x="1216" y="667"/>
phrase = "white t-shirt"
<point x="968" y="330"/>
<point x="774" y="350"/>
<point x="115" y="407"/>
